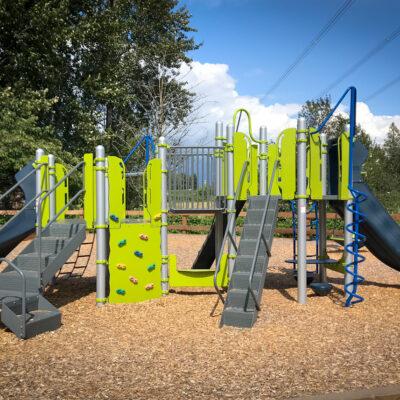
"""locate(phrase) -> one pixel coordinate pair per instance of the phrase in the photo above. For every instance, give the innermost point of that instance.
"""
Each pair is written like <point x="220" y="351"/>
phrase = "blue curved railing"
<point x="354" y="207"/>
<point x="150" y="147"/>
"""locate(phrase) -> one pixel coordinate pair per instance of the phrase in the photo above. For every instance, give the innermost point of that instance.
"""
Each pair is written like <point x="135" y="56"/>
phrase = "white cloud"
<point x="217" y="89"/>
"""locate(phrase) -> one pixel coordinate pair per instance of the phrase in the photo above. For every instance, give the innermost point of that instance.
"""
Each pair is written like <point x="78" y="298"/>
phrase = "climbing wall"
<point x="135" y="263"/>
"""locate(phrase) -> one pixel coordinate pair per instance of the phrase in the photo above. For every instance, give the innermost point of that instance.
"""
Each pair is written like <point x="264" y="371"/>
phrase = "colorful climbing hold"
<point x="122" y="243"/>
<point x="157" y="217"/>
<point x="120" y="292"/>
<point x="133" y="280"/>
<point x="114" y="218"/>
<point x="138" y="254"/>
<point x="122" y="267"/>
<point x="150" y="286"/>
<point x="143" y="237"/>
<point x="151" y="267"/>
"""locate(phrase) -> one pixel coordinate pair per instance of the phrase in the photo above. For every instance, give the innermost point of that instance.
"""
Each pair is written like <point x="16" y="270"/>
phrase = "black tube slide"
<point x="24" y="223"/>
<point x="381" y="231"/>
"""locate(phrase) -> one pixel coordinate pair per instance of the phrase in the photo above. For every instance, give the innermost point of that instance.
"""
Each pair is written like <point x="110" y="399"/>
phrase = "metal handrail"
<point x="23" y="292"/>
<point x="22" y="180"/>
<point x="261" y="236"/>
<point x="228" y="233"/>
<point x="39" y="212"/>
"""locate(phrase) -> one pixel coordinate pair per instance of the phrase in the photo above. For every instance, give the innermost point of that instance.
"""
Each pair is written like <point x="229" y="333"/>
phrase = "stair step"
<point x="240" y="280"/>
<point x="247" y="247"/>
<point x="30" y="261"/>
<point x="13" y="295"/>
<point x="51" y="244"/>
<point x="233" y="316"/>
<point x="243" y="263"/>
<point x="257" y="202"/>
<point x="11" y="280"/>
<point x="67" y="229"/>
<point x="241" y="299"/>
<point x="251" y="231"/>
<point x="41" y="316"/>
<point x="254" y="216"/>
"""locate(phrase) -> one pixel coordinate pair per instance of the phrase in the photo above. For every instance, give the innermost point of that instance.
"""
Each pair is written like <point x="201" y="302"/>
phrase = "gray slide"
<point x="24" y="223"/>
<point x="381" y="231"/>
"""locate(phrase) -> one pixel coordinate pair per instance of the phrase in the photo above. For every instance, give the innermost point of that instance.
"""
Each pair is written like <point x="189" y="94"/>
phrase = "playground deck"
<point x="171" y="348"/>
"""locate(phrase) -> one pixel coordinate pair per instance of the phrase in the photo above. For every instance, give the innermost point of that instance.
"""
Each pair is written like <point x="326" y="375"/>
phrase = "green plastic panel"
<point x="315" y="167"/>
<point x="152" y="191"/>
<point x="287" y="157"/>
<point x="117" y="191"/>
<point x="343" y="158"/>
<point x="253" y="170"/>
<point x="196" y="277"/>
<point x="89" y="204"/>
<point x="62" y="192"/>
<point x="44" y="184"/>
<point x="134" y="263"/>
<point x="272" y="157"/>
<point x="240" y="156"/>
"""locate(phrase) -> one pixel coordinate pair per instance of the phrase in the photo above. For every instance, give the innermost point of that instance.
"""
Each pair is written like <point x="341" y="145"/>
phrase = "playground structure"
<point x="132" y="258"/>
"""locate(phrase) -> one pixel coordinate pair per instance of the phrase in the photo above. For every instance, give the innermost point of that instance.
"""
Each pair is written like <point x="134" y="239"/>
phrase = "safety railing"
<point x="262" y="237"/>
<point x="39" y="212"/>
<point x="192" y="176"/>
<point x="27" y="204"/>
<point x="23" y="293"/>
<point x="228" y="233"/>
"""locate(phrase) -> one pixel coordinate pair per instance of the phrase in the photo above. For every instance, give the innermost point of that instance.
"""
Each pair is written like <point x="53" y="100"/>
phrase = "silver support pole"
<point x="231" y="209"/>
<point x="52" y="183"/>
<point x="322" y="208"/>
<point x="301" y="211"/>
<point x="101" y="228"/>
<point x="39" y="155"/>
<point x="219" y="217"/>
<point x="107" y="194"/>
<point x="162" y="153"/>
<point x="263" y="161"/>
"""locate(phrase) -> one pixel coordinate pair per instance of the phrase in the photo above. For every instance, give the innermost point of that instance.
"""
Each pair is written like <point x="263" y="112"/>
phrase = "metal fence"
<point x="191" y="183"/>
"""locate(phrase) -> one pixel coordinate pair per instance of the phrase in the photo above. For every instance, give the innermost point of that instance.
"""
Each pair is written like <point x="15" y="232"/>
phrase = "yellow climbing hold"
<point x="122" y="267"/>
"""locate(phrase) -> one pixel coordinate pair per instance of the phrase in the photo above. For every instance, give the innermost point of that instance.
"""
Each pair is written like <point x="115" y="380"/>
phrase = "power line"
<point x="345" y="6"/>
<point x="383" y="88"/>
<point x="363" y="60"/>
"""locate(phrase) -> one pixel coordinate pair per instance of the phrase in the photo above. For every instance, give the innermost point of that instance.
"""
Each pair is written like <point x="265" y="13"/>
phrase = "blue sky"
<point x="258" y="39"/>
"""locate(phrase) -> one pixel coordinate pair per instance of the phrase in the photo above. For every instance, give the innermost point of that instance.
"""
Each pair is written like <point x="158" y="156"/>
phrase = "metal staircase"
<point x="247" y="281"/>
<point x="23" y="308"/>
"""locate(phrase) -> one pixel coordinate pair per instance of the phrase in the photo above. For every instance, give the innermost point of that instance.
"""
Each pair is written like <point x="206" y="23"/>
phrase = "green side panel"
<point x="44" y="184"/>
<point x="62" y="192"/>
<point x="135" y="278"/>
<point x="196" y="277"/>
<point x="117" y="191"/>
<point x="239" y="157"/>
<point x="343" y="157"/>
<point x="315" y="169"/>
<point x="287" y="156"/>
<point x="152" y="191"/>
<point x="272" y="157"/>
<point x="89" y="204"/>
<point x="253" y="186"/>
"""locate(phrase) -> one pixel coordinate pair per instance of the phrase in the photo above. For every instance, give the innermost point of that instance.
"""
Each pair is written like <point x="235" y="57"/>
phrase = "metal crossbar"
<point x="192" y="178"/>
<point x="261" y="237"/>
<point x="228" y="233"/>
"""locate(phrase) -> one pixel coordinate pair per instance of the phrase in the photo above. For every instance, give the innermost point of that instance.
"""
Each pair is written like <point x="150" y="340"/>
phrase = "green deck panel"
<point x="62" y="192"/>
<point x="152" y="191"/>
<point x="343" y="158"/>
<point x="117" y="190"/>
<point x="272" y="157"/>
<point x="240" y="156"/>
<point x="315" y="169"/>
<point x="139" y="268"/>
<point x="287" y="157"/>
<point x="89" y="204"/>
<point x="196" y="277"/>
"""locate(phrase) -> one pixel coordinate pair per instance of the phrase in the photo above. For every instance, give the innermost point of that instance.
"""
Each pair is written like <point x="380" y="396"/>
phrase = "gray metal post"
<point x="52" y="183"/>
<point x="322" y="208"/>
<point x="39" y="174"/>
<point x="348" y="237"/>
<point x="263" y="161"/>
<point x="101" y="228"/>
<point x="231" y="209"/>
<point x="301" y="211"/>
<point x="219" y="217"/>
<point x="107" y="193"/>
<point x="162" y="154"/>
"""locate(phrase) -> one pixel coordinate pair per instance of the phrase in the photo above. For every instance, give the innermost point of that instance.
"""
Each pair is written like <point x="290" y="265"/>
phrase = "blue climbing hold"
<point x="151" y="267"/>
<point x="114" y="218"/>
<point x="122" y="243"/>
<point x="120" y="291"/>
<point x="138" y="254"/>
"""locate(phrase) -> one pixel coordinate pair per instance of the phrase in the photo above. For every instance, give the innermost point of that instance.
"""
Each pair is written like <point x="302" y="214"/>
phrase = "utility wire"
<point x="380" y="46"/>
<point x="383" y="88"/>
<point x="339" y="13"/>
